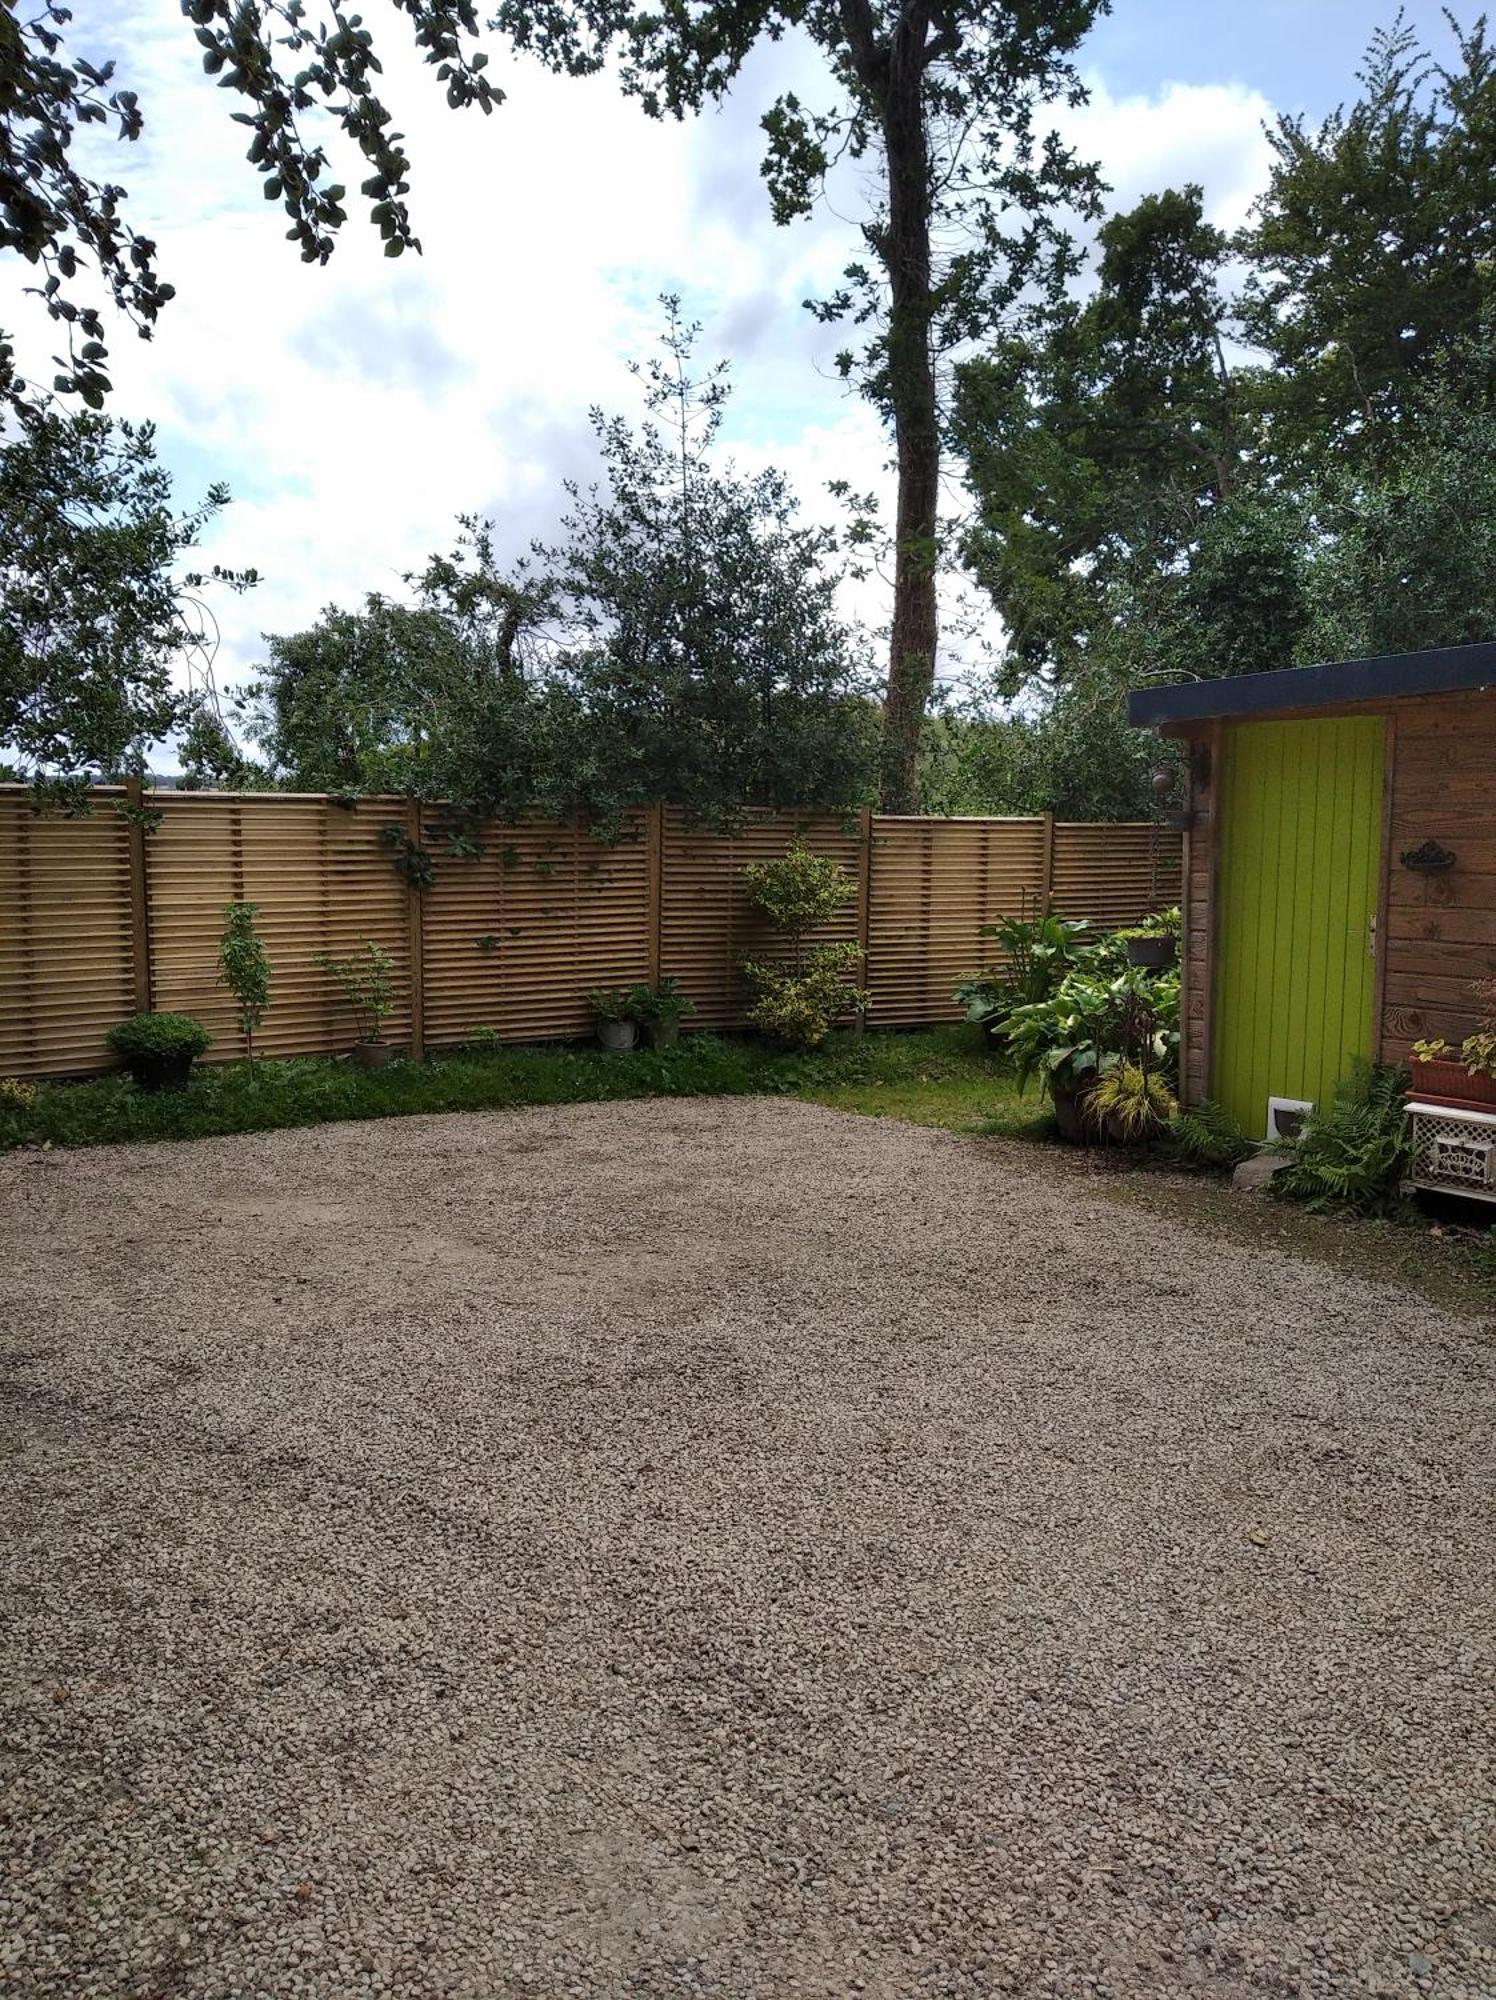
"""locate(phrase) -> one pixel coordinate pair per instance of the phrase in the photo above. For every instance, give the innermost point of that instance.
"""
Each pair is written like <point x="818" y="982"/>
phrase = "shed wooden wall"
<point x="1436" y="933"/>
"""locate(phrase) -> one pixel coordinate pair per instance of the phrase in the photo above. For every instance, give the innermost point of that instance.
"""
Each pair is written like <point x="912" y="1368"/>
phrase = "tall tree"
<point x="90" y="585"/>
<point x="1098" y="441"/>
<point x="1373" y="250"/>
<point x="946" y="97"/>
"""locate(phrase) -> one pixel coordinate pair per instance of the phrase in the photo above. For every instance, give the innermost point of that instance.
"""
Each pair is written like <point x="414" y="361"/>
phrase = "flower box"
<point x="1450" y="1082"/>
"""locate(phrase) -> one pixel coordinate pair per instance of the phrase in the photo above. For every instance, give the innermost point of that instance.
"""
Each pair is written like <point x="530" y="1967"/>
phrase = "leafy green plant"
<point x="1093" y="1021"/>
<point x="798" y="890"/>
<point x="799" y="1002"/>
<point x="159" y="1037"/>
<point x="1355" y="1154"/>
<point x="612" y="1003"/>
<point x="662" y="1003"/>
<point x="367" y="977"/>
<point x="1130" y="1103"/>
<point x="1036" y="955"/>
<point x="801" y="1007"/>
<point x="1207" y="1137"/>
<point x="411" y="858"/>
<point x="244" y="967"/>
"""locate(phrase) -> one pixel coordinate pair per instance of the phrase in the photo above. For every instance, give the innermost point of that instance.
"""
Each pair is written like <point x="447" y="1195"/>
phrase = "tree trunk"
<point x="911" y="394"/>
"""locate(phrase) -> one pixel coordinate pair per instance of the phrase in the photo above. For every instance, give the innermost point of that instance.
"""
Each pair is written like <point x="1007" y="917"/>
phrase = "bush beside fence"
<point x="100" y="916"/>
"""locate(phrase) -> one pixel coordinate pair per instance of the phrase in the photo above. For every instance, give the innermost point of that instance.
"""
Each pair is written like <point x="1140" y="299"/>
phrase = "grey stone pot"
<point x="618" y="1035"/>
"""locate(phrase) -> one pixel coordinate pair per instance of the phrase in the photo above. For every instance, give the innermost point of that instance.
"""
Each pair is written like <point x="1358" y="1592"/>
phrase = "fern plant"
<point x="1355" y="1155"/>
<point x="1208" y="1137"/>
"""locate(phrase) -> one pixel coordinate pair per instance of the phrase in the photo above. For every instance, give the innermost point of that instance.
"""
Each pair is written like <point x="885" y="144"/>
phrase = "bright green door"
<point x="1301" y="817"/>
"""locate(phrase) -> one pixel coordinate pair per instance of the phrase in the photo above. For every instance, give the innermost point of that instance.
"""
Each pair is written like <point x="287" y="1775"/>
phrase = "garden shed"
<point x="1340" y="868"/>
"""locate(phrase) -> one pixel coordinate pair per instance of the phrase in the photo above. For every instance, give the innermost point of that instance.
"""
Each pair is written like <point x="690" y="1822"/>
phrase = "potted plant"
<point x="613" y="1007"/>
<point x="1094" y="1021"/>
<point x="1465" y="1075"/>
<point x="1130" y="1103"/>
<point x="660" y="1011"/>
<point x="1154" y="943"/>
<point x="159" y="1049"/>
<point x="1037" y="953"/>
<point x="367" y="977"/>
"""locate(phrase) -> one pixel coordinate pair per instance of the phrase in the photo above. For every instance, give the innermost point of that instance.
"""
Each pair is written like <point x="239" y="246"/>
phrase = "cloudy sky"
<point x="355" y="410"/>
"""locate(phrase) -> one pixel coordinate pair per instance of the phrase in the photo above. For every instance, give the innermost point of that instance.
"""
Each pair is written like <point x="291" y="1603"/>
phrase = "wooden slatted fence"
<point x="99" y="917"/>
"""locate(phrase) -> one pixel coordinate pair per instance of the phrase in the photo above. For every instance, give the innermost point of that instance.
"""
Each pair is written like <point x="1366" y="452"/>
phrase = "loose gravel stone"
<point x="725" y="1549"/>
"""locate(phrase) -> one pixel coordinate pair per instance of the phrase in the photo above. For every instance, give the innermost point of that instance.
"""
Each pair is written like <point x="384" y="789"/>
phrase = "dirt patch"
<point x="725" y="1548"/>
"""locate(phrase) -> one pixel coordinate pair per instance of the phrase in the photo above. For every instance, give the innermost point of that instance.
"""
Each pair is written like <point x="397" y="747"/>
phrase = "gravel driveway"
<point x="723" y="1548"/>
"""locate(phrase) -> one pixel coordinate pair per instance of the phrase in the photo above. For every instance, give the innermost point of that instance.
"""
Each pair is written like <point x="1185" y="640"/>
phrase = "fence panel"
<point x="324" y="882"/>
<point x="1114" y="875"/>
<point x="66" y="958"/>
<point x="706" y="925"/>
<point x="934" y="884"/>
<point x="513" y="939"/>
<point x="97" y="917"/>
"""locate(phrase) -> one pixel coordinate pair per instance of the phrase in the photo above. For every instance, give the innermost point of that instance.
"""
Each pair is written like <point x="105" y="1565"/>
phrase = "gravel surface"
<point x="723" y="1548"/>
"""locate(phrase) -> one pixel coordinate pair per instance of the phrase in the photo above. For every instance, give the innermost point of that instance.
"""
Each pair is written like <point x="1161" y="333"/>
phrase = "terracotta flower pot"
<point x="1449" y="1082"/>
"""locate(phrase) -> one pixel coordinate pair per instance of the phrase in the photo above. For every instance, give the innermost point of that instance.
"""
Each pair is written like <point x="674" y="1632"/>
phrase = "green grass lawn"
<point x="943" y="1076"/>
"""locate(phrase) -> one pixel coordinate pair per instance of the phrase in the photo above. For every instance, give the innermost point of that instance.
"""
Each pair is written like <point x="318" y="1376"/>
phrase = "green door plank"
<point x="1301" y="814"/>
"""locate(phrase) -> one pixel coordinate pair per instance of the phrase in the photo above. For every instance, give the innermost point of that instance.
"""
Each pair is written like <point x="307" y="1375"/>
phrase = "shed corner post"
<point x="140" y="901"/>
<point x="415" y="922"/>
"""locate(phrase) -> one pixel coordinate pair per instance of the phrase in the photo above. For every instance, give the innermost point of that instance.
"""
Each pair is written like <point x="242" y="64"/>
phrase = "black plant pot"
<point x="1071" y="1118"/>
<point x="161" y="1072"/>
<point x="1152" y="952"/>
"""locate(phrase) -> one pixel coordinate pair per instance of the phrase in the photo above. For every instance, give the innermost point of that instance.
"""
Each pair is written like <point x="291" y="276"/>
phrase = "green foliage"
<point x="799" y="890"/>
<point x="244" y="967"/>
<point x="974" y="198"/>
<point x="663" y="1003"/>
<point x="1094" y="1021"/>
<point x="1207" y="1137"/>
<point x="1037" y="953"/>
<point x="1355" y="1155"/>
<point x="1368" y="260"/>
<point x="90" y="592"/>
<point x="367" y="977"/>
<point x="1130" y="1103"/>
<point x="935" y="1077"/>
<point x="411" y="858"/>
<point x="613" y="1003"/>
<point x="1095" y="440"/>
<point x="287" y="65"/>
<point x="680" y="642"/>
<point x="800" y="1005"/>
<point x="158" y="1037"/>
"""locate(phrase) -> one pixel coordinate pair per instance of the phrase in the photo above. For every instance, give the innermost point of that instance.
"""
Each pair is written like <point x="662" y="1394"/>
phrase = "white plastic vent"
<point x="1287" y="1117"/>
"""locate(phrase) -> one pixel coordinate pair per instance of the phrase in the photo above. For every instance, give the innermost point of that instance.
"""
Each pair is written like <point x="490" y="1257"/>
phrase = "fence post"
<point x="1047" y="865"/>
<point x="140" y="906"/>
<point x="654" y="888"/>
<point x="864" y="901"/>
<point x="414" y="895"/>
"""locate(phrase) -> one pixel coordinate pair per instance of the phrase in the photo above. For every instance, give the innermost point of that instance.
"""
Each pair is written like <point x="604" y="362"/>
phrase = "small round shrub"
<point x="158" y="1038"/>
